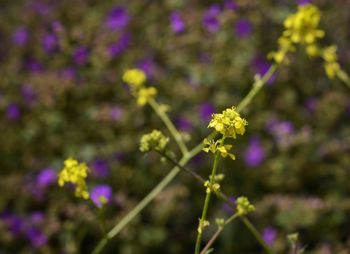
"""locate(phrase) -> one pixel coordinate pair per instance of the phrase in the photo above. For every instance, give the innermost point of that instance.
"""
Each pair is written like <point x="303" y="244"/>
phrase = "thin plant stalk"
<point x="206" y="205"/>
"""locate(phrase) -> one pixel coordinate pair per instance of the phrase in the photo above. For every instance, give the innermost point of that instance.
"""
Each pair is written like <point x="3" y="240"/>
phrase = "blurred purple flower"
<point x="311" y="104"/>
<point x="100" y="168"/>
<point x="68" y="73"/>
<point x="254" y="155"/>
<point x="261" y="66"/>
<point x="14" y="223"/>
<point x="230" y="5"/>
<point x="303" y="2"/>
<point x="13" y="112"/>
<point x="46" y="177"/>
<point x="227" y="208"/>
<point x="269" y="235"/>
<point x="49" y="43"/>
<point x="117" y="19"/>
<point x="40" y="8"/>
<point x="20" y="36"/>
<point x="183" y="124"/>
<point x="210" y="19"/>
<point x="205" y="111"/>
<point x="33" y="65"/>
<point x="116" y="113"/>
<point x="36" y="237"/>
<point x="176" y="22"/>
<point x="101" y="194"/>
<point x="243" y="28"/>
<point x="117" y="48"/>
<point x="148" y="66"/>
<point x="279" y="128"/>
<point x="28" y="94"/>
<point x="81" y="55"/>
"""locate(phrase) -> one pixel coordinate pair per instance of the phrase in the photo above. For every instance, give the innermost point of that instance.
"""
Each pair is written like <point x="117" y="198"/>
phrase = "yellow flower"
<point x="75" y="173"/>
<point x="153" y="141"/>
<point x="228" y="123"/>
<point x="134" y="77"/>
<point x="244" y="206"/>
<point x="145" y="94"/>
<point x="331" y="65"/>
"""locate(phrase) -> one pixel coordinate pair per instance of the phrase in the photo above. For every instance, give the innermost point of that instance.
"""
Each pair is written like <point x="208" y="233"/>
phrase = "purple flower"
<point x="183" y="124"/>
<point x="117" y="19"/>
<point x="20" y="36"/>
<point x="282" y="132"/>
<point x="261" y="66"/>
<point x="210" y="19"/>
<point x="117" y="48"/>
<point x="176" y="22"/>
<point x="148" y="66"/>
<point x="269" y="235"/>
<point x="101" y="194"/>
<point x="228" y="208"/>
<point x="33" y="65"/>
<point x="81" y="55"/>
<point x="254" y="155"/>
<point x="46" y="177"/>
<point x="49" y="43"/>
<point x="206" y="110"/>
<point x="68" y="73"/>
<point x="28" y="94"/>
<point x="243" y="28"/>
<point x="41" y="8"/>
<point x="311" y="104"/>
<point x="100" y="168"/>
<point x="116" y="113"/>
<point x="37" y="218"/>
<point x="36" y="237"/>
<point x="230" y="5"/>
<point x="13" y="112"/>
<point x="303" y="2"/>
<point x="14" y="223"/>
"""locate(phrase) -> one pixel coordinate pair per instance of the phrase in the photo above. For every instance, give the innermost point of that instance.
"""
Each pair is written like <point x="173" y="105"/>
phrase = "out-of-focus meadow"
<point x="62" y="95"/>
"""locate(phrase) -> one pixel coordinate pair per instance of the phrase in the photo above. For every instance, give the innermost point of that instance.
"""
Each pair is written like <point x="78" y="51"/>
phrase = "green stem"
<point x="206" y="205"/>
<point x="218" y="232"/>
<point x="173" y="131"/>
<point x="256" y="234"/>
<point x="343" y="76"/>
<point x="257" y="85"/>
<point x="144" y="202"/>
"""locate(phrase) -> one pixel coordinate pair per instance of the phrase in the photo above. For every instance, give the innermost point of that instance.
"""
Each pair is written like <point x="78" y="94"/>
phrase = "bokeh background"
<point x="61" y="95"/>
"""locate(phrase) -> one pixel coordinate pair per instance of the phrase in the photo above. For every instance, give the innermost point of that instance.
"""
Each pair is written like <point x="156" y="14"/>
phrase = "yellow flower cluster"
<point x="211" y="187"/>
<point x="228" y="123"/>
<point x="153" y="141"/>
<point x="202" y="225"/>
<point x="244" y="206"/>
<point x="75" y="173"/>
<point x="331" y="64"/>
<point x="136" y="79"/>
<point x="300" y="28"/>
<point x="217" y="146"/>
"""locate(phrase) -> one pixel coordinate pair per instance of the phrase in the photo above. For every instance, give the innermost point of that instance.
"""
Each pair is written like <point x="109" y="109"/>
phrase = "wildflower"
<point x="331" y="61"/>
<point x="269" y="235"/>
<point x="202" y="224"/>
<point x="115" y="49"/>
<point x="145" y="94"/>
<point x="228" y="123"/>
<point x="254" y="155"/>
<point x="80" y="55"/>
<point x="75" y="173"/>
<point x="206" y="110"/>
<point x="101" y="195"/>
<point x="100" y="168"/>
<point x="49" y="43"/>
<point x="300" y="28"/>
<point x="117" y="18"/>
<point x="20" y="36"/>
<point x="244" y="206"/>
<point x="211" y="187"/>
<point x="36" y="237"/>
<point x="243" y="28"/>
<point x="177" y="24"/>
<point x="211" y="18"/>
<point x="153" y="141"/>
<point x="13" y="112"/>
<point x="46" y="177"/>
<point x="134" y="77"/>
